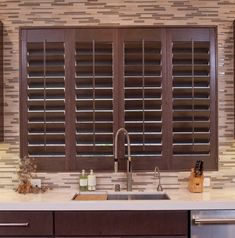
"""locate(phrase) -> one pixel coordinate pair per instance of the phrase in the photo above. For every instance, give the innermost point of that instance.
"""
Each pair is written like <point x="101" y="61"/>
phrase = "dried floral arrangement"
<point x="27" y="169"/>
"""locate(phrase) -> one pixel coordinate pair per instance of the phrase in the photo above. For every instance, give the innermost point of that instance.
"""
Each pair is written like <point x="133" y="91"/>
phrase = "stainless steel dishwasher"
<point x="213" y="224"/>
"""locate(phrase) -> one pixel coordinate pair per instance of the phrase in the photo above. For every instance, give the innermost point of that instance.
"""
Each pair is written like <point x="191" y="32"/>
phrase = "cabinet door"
<point x="121" y="223"/>
<point x="26" y="224"/>
<point x="123" y="236"/>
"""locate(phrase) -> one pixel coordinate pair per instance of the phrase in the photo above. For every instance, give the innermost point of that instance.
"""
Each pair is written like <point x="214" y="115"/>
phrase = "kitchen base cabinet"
<point x="84" y="224"/>
<point x="26" y="224"/>
<point x="121" y="224"/>
<point x="125" y="237"/>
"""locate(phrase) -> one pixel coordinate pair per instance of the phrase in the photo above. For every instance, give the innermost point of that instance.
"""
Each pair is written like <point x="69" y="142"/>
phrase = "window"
<point x="78" y="86"/>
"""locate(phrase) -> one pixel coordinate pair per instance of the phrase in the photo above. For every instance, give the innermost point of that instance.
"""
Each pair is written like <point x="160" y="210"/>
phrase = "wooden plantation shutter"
<point x="193" y="97"/>
<point x="144" y="84"/>
<point x="43" y="96"/>
<point x="94" y="75"/>
<point x="80" y="85"/>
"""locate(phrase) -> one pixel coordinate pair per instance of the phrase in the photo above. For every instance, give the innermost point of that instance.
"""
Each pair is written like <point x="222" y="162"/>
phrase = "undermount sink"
<point x="138" y="196"/>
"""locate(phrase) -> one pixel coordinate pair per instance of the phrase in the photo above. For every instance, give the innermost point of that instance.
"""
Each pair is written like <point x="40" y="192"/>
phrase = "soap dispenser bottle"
<point x="83" y="181"/>
<point x="91" y="181"/>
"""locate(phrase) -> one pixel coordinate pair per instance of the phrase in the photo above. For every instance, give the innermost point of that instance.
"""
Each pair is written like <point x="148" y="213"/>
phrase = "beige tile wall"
<point x="16" y="13"/>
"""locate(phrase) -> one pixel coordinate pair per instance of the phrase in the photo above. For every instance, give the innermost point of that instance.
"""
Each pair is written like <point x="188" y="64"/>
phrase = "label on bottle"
<point x="91" y="182"/>
<point x="83" y="182"/>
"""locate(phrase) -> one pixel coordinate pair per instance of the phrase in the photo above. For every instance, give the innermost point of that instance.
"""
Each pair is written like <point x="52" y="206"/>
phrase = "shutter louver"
<point x="46" y="99"/>
<point x="94" y="99"/>
<point x="191" y="98"/>
<point x="143" y="96"/>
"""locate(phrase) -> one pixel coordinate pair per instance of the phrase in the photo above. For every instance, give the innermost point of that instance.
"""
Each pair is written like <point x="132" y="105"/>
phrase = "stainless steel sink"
<point x="137" y="196"/>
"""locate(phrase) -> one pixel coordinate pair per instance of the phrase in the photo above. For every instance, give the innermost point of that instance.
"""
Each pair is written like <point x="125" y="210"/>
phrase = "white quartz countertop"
<point x="60" y="200"/>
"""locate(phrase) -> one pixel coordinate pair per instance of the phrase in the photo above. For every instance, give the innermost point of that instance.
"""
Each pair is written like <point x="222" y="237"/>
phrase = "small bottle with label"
<point x="83" y="181"/>
<point x="91" y="181"/>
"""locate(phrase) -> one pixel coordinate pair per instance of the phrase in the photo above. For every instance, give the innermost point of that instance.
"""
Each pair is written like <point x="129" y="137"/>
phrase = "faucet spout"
<point x="129" y="166"/>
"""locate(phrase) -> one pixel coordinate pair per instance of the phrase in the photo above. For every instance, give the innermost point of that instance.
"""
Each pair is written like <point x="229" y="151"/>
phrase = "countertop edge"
<point x="61" y="201"/>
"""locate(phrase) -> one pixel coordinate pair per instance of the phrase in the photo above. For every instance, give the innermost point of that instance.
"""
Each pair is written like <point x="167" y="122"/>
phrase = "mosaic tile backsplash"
<point x="17" y="13"/>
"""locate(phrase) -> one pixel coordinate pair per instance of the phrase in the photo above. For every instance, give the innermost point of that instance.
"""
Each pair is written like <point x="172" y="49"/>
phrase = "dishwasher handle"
<point x="213" y="221"/>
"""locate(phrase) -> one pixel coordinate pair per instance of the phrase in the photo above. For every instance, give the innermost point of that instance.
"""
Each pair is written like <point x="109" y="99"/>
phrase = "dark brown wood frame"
<point x="1" y="85"/>
<point x="234" y="73"/>
<point x="69" y="163"/>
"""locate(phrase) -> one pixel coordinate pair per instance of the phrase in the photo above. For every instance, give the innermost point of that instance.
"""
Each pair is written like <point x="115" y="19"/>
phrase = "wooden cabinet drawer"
<point x="26" y="224"/>
<point x="123" y="237"/>
<point x="121" y="223"/>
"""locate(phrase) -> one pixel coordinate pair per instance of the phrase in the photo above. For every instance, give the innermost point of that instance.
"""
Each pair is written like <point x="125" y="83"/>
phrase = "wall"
<point x="17" y="13"/>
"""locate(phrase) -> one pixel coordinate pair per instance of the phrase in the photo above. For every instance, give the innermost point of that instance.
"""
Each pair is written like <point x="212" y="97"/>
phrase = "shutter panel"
<point x="94" y="96"/>
<point x="143" y="90"/>
<point x="43" y="96"/>
<point x="192" y="96"/>
<point x="46" y="99"/>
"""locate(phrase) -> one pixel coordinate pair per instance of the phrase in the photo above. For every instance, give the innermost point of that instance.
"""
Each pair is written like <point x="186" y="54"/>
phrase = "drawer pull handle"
<point x="25" y="224"/>
<point x="208" y="221"/>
